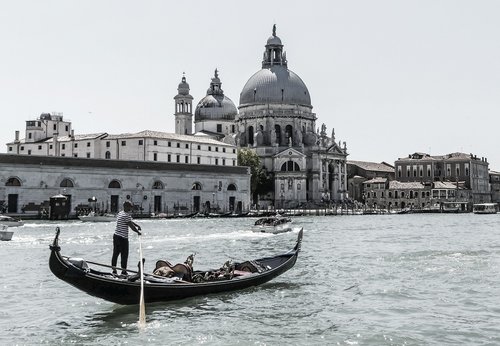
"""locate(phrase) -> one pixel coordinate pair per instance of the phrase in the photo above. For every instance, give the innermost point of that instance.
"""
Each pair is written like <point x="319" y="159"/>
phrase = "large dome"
<point x="276" y="84"/>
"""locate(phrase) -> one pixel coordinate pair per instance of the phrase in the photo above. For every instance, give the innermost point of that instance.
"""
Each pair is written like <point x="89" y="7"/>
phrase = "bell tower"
<point x="183" y="109"/>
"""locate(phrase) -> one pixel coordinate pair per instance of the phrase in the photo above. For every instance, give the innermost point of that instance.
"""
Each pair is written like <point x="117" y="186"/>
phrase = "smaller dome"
<point x="183" y="87"/>
<point x="215" y="107"/>
<point x="274" y="41"/>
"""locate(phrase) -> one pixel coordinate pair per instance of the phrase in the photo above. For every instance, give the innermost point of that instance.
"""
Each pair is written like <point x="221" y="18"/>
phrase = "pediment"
<point x="289" y="153"/>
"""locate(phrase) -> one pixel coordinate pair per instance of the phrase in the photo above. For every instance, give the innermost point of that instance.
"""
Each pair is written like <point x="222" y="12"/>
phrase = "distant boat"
<point x="93" y="217"/>
<point x="273" y="225"/>
<point x="4" y="234"/>
<point x="485" y="208"/>
<point x="10" y="221"/>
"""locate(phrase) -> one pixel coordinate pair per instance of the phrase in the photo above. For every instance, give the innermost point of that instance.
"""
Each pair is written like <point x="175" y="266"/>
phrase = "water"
<point x="424" y="279"/>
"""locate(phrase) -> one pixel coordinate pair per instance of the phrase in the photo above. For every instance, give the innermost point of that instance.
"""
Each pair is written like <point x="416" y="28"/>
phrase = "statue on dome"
<point x="274" y="30"/>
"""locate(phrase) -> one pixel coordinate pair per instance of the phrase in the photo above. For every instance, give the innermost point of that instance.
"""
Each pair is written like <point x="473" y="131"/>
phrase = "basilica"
<point x="274" y="119"/>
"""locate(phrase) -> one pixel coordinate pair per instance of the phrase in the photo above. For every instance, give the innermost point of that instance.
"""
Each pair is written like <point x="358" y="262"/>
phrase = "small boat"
<point x="93" y="217"/>
<point x="4" y="234"/>
<point x="485" y="208"/>
<point x="8" y="221"/>
<point x="273" y="224"/>
<point x="126" y="290"/>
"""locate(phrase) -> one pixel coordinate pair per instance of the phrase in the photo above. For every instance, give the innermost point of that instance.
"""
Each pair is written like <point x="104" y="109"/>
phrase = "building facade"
<point x="27" y="183"/>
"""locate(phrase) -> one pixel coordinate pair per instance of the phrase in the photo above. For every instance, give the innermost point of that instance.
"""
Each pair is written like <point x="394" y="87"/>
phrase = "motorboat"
<point x="5" y="234"/>
<point x="273" y="224"/>
<point x="485" y="208"/>
<point x="95" y="217"/>
<point x="9" y="221"/>
<point x="183" y="283"/>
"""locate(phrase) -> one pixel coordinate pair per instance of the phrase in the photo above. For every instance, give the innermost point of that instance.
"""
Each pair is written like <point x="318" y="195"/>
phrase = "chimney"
<point x="56" y="144"/>
<point x="17" y="137"/>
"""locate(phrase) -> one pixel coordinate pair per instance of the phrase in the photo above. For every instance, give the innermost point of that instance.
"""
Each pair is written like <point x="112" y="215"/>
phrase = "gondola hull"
<point x="122" y="291"/>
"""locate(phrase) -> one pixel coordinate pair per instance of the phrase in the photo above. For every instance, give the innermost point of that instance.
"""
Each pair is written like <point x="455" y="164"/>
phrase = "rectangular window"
<point x="155" y="156"/>
<point x="420" y="171"/>
<point x="216" y="161"/>
<point x="63" y="146"/>
<point x="108" y="144"/>
<point x="448" y="170"/>
<point x="29" y="135"/>
<point x="76" y="145"/>
<point x="219" y="128"/>
<point x="198" y="160"/>
<point x="22" y="148"/>
<point x="50" y="147"/>
<point x="209" y="148"/>
<point x="186" y="159"/>
<point x="169" y="158"/>
<point x="140" y="141"/>
<point x="155" y="142"/>
<point x="234" y="151"/>
<point x="178" y="145"/>
<point x="187" y="146"/>
<point x="67" y="128"/>
<point x="223" y="162"/>
<point x="178" y="158"/>
<point x="399" y="171"/>
<point x="88" y="155"/>
<point x="169" y="144"/>
<point x="29" y="152"/>
<point x="39" y="147"/>
<point x="223" y="150"/>
<point x="199" y="147"/>
<point x="88" y="144"/>
<point x="428" y="171"/>
<point x="216" y="148"/>
<point x="124" y="143"/>
<point x="232" y="128"/>
<point x="234" y="162"/>
<point x="54" y="127"/>
<point x="10" y="148"/>
<point x="458" y="170"/>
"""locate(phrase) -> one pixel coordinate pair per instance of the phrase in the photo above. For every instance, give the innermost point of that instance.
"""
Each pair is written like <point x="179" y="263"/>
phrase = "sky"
<point x="391" y="77"/>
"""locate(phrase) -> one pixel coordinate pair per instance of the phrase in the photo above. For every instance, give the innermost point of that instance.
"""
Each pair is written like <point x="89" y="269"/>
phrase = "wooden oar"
<point x="142" y="307"/>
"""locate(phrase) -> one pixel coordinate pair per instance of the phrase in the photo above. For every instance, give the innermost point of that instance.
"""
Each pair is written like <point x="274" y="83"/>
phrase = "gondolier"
<point x="120" y="237"/>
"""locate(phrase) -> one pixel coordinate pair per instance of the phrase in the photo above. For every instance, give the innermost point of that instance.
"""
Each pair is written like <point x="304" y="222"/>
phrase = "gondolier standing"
<point x="120" y="237"/>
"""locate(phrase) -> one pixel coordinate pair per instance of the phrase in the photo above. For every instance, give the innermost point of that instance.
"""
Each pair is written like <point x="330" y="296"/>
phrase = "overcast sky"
<point x="392" y="77"/>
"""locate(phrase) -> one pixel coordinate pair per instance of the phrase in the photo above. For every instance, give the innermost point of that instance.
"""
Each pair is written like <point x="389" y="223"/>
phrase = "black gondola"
<point x="123" y="290"/>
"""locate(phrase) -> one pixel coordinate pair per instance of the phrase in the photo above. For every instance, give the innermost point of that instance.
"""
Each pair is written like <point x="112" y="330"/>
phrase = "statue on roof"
<point x="274" y="30"/>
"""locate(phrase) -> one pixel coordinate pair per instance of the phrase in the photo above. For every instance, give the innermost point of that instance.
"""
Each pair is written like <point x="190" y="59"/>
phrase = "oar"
<point x="142" y="307"/>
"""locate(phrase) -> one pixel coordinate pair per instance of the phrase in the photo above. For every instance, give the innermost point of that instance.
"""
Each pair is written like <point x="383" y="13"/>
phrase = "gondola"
<point x="126" y="290"/>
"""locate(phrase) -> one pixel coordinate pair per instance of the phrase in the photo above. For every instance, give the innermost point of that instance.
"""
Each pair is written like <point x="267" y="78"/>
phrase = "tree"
<point x="260" y="181"/>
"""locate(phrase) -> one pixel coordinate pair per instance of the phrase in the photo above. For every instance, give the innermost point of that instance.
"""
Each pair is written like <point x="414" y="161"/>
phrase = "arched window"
<point x="289" y="132"/>
<point x="107" y="155"/>
<point x="231" y="187"/>
<point x="158" y="185"/>
<point x="115" y="184"/>
<point x="13" y="182"/>
<point x="66" y="183"/>
<point x="277" y="130"/>
<point x="196" y="186"/>
<point x="250" y="135"/>
<point x="290" y="166"/>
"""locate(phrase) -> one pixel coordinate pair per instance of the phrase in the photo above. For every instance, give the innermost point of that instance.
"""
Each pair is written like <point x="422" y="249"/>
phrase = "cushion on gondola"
<point x="79" y="263"/>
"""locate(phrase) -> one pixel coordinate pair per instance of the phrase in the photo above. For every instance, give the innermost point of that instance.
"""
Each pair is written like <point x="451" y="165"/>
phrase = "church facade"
<point x="276" y="120"/>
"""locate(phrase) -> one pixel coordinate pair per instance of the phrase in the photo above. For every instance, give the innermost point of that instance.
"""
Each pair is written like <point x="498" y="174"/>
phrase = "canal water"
<point x="421" y="279"/>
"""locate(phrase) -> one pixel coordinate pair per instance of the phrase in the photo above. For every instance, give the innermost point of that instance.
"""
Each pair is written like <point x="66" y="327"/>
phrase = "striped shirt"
<point x="122" y="220"/>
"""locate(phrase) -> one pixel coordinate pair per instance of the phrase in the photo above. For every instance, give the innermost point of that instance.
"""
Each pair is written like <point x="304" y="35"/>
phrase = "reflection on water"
<point x="372" y="280"/>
